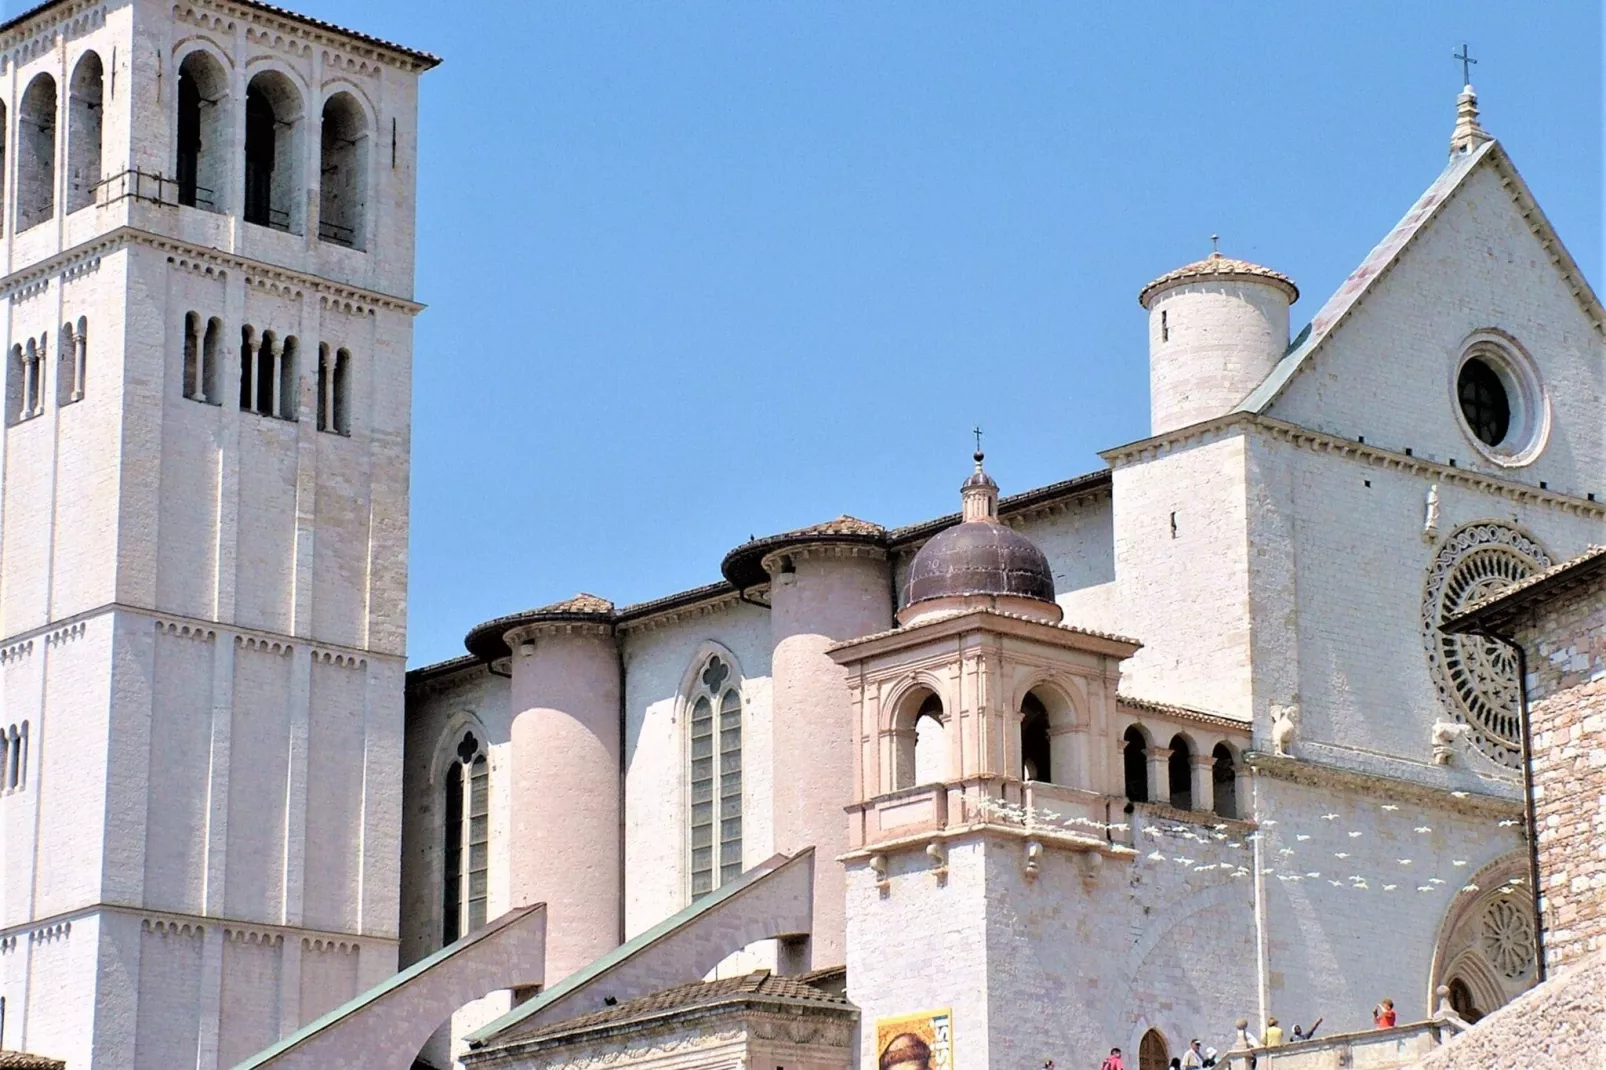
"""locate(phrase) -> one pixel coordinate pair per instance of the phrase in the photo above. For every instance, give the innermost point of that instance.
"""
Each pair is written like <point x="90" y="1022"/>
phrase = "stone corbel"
<point x="878" y="866"/>
<point x="938" y="853"/>
<point x="1034" y="851"/>
<point x="1091" y="862"/>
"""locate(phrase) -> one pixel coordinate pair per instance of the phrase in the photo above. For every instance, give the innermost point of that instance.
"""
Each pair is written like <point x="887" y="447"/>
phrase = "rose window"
<point x="1476" y="677"/>
<point x="1508" y="938"/>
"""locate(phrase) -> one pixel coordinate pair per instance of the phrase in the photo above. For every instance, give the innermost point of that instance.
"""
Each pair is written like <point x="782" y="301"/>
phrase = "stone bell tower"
<point x="984" y="762"/>
<point x="207" y="244"/>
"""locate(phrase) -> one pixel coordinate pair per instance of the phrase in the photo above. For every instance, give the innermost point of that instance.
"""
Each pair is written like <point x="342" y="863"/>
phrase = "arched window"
<point x="1152" y="1051"/>
<point x="272" y="173"/>
<point x="1180" y="769"/>
<point x="14" y="767"/>
<point x="1135" y="760"/>
<point x="36" y="153"/>
<point x="344" y="171"/>
<point x="33" y="379"/>
<point x="202" y="88"/>
<point x="68" y="386"/>
<point x="334" y="378"/>
<point x="84" y="111"/>
<point x="1224" y="781"/>
<point x="16" y="386"/>
<point x="931" y="743"/>
<point x="467" y="849"/>
<point x="716" y="777"/>
<point x="268" y="384"/>
<point x="1037" y="762"/>
<point x="1463" y="1002"/>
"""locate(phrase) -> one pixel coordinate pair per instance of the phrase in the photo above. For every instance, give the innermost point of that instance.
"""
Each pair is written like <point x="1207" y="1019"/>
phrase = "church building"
<point x="1113" y="762"/>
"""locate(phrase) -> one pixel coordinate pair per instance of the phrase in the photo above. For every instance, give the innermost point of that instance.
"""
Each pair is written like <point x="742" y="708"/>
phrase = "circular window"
<point x="1501" y="406"/>
<point x="1477" y="677"/>
<point x="1484" y="402"/>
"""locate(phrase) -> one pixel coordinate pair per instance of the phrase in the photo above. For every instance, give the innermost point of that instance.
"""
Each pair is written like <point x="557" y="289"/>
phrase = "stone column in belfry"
<point x="565" y="797"/>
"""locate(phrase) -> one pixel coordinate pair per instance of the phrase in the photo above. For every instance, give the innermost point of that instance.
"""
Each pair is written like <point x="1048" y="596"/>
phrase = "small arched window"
<point x="1037" y="762"/>
<point x="715" y="777"/>
<point x="67" y="365"/>
<point x="1135" y="764"/>
<point x="1224" y="781"/>
<point x="202" y="89"/>
<point x="931" y="743"/>
<point x="268" y="383"/>
<point x="334" y="382"/>
<point x="272" y="170"/>
<point x="467" y="851"/>
<point x="85" y="107"/>
<point x="14" y="767"/>
<point x="1179" y="768"/>
<point x="16" y="386"/>
<point x="36" y="153"/>
<point x="342" y="202"/>
<point x="1463" y="1002"/>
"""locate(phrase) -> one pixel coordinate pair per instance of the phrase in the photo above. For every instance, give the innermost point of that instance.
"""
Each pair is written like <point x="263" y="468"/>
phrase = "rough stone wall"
<point x="1565" y="642"/>
<point x="1561" y="1025"/>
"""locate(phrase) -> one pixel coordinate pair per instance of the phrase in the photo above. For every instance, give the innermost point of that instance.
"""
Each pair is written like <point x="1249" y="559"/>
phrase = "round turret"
<point x="979" y="561"/>
<point x="1217" y="327"/>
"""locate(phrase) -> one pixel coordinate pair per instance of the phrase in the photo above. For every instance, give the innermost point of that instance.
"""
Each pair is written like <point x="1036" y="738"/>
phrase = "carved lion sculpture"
<point x="1284" y="721"/>
<point x="1446" y="734"/>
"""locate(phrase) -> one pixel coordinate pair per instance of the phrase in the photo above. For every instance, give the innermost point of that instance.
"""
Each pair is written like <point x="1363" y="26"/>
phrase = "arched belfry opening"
<point x="202" y="130"/>
<point x="1036" y="752"/>
<point x="1179" y="768"/>
<point x="36" y="153"/>
<point x="1224" y="781"/>
<point x="930" y="742"/>
<point x="272" y="168"/>
<point x="1135" y="764"/>
<point x="85" y="108"/>
<point x="343" y="172"/>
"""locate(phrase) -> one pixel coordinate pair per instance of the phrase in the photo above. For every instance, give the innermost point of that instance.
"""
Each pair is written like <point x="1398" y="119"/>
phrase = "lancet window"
<point x="1035" y="744"/>
<point x="1224" y="781"/>
<point x="1135" y="764"/>
<point x="466" y="869"/>
<point x="1179" y="773"/>
<point x="715" y="776"/>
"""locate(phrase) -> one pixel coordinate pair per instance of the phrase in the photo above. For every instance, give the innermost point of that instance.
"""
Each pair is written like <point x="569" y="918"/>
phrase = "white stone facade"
<point x="1280" y="548"/>
<point x="204" y="608"/>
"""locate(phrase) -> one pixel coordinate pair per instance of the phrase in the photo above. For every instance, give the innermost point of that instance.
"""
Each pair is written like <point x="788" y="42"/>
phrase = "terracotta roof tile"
<point x="1500" y="606"/>
<point x="743" y="567"/>
<point x="21" y="1060"/>
<point x="760" y="984"/>
<point x="1216" y="266"/>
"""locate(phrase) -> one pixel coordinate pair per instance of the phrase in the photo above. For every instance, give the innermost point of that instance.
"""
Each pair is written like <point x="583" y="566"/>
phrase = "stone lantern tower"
<point x="983" y="729"/>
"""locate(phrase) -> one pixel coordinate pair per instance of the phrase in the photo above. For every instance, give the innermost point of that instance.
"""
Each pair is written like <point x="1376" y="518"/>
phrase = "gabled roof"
<point x="1388" y="251"/>
<point x="1496" y="612"/>
<point x="759" y="986"/>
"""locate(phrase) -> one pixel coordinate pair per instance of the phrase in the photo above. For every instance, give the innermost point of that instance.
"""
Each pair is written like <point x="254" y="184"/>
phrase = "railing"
<point x="1373" y="1049"/>
<point x="153" y="187"/>
<point x="339" y="235"/>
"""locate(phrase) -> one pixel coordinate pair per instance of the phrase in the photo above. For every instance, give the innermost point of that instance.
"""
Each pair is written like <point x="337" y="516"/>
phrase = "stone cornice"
<point x="1322" y="442"/>
<point x="981" y="620"/>
<point x="631" y="619"/>
<point x="1049" y="837"/>
<point x="772" y="561"/>
<point x="258" y="273"/>
<point x="235" y="927"/>
<point x="194" y="627"/>
<point x="585" y="629"/>
<point x="1322" y="775"/>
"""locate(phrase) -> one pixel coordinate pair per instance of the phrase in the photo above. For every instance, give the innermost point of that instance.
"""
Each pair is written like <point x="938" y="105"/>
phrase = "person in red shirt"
<point x="1113" y="1061"/>
<point x="1383" y="1015"/>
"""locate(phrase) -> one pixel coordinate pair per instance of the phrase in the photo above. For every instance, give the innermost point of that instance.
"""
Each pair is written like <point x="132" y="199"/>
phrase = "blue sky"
<point x="702" y="270"/>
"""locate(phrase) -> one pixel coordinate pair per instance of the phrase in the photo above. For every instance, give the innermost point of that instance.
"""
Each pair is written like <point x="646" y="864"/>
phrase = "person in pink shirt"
<point x="1383" y="1015"/>
<point x="1113" y="1061"/>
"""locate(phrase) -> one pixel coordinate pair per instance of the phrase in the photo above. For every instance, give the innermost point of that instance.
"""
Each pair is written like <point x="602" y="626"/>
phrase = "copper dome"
<point x="980" y="557"/>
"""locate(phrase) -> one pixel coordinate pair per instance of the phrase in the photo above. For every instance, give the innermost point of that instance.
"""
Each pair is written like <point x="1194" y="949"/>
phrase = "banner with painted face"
<point x="923" y="1041"/>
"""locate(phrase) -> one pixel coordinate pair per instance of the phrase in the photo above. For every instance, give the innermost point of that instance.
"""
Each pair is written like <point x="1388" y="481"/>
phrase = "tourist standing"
<point x="1383" y="1015"/>
<point x="1193" y="1058"/>
<point x="1274" y="1033"/>
<point x="1113" y="1061"/>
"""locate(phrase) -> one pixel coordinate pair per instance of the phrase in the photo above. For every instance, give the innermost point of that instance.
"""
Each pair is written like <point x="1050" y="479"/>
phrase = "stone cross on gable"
<point x="1466" y="64"/>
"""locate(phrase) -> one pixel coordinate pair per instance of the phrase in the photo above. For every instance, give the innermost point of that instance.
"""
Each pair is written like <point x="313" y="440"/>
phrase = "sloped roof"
<point x="485" y="641"/>
<point x="1499" y="608"/>
<point x="758" y="986"/>
<point x="1387" y="252"/>
<point x="21" y="1060"/>
<point x="743" y="567"/>
<point x="1216" y="267"/>
<point x="425" y="60"/>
